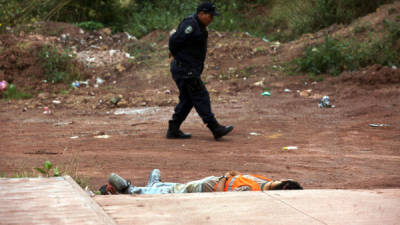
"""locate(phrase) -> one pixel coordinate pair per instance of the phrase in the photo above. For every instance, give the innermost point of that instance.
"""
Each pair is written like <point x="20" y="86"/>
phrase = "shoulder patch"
<point x="188" y="29"/>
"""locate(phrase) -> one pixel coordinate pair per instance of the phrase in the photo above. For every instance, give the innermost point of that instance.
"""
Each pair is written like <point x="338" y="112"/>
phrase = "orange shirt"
<point x="246" y="182"/>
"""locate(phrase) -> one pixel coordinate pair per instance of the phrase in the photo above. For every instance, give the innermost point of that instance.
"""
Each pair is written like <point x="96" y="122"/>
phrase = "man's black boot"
<point x="174" y="132"/>
<point x="218" y="130"/>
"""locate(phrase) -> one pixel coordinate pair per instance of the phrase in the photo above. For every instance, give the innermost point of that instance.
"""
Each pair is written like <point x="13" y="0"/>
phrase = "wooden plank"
<point x="55" y="200"/>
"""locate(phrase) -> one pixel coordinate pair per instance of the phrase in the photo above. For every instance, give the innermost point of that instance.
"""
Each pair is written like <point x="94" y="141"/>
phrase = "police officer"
<point x="188" y="46"/>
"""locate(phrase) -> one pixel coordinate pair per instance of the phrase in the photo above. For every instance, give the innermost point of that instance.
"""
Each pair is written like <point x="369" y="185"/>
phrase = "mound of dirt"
<point x="21" y="65"/>
<point x="372" y="77"/>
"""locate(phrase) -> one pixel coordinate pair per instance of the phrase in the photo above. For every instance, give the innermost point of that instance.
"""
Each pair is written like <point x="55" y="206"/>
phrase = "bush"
<point x="58" y="66"/>
<point x="13" y="93"/>
<point x="304" y="16"/>
<point x="90" y="25"/>
<point x="335" y="56"/>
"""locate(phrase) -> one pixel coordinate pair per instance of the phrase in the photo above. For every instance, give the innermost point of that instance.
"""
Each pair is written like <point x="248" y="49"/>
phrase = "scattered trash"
<point x="99" y="81"/>
<point x="324" y="103"/>
<point x="74" y="137"/>
<point x="137" y="111"/>
<point x="89" y="192"/>
<point x="46" y="110"/>
<point x="76" y="83"/>
<point x="56" y="102"/>
<point x="116" y="99"/>
<point x="265" y="40"/>
<point x="254" y="134"/>
<point x="305" y="93"/>
<point x="167" y="92"/>
<point x="378" y="125"/>
<point x="259" y="83"/>
<point x="127" y="55"/>
<point x="266" y="93"/>
<point x="60" y="124"/>
<point x="290" y="148"/>
<point x="112" y="52"/>
<point x="287" y="90"/>
<point x="394" y="67"/>
<point x="248" y="34"/>
<point x="102" y="136"/>
<point x="3" y="85"/>
<point x="130" y="37"/>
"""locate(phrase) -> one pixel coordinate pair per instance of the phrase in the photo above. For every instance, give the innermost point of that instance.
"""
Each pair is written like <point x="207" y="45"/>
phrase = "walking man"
<point x="188" y="47"/>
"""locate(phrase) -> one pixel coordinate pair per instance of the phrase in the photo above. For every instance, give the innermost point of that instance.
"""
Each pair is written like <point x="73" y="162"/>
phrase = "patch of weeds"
<point x="58" y="66"/>
<point x="160" y="37"/>
<point x="13" y="93"/>
<point x="361" y="28"/>
<point x="259" y="49"/>
<point x="23" y="46"/>
<point x="48" y="170"/>
<point x="246" y="72"/>
<point x="394" y="30"/>
<point x="392" y="11"/>
<point x="314" y="77"/>
<point x="90" y="25"/>
<point x="335" y="56"/>
<point x="81" y="181"/>
<point x="225" y="76"/>
<point x="64" y="92"/>
<point x="139" y="50"/>
<point x="57" y="32"/>
<point x="266" y="89"/>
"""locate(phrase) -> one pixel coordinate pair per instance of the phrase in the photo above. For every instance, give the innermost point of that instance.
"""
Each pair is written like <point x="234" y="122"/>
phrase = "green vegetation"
<point x="335" y="56"/>
<point x="13" y="93"/>
<point x="90" y="25"/>
<point x="274" y="19"/>
<point x="46" y="170"/>
<point x="58" y="65"/>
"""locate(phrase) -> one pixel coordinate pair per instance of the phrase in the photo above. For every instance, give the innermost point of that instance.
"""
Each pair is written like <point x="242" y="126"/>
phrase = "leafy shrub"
<point x="90" y="25"/>
<point x="335" y="56"/>
<point x="13" y="93"/>
<point x="297" y="17"/>
<point x="58" y="66"/>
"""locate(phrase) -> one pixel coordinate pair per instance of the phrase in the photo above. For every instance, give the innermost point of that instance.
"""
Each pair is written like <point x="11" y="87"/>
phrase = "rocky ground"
<point x="117" y="121"/>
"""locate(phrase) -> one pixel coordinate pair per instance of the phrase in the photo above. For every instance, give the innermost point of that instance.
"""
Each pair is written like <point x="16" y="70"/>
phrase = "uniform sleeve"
<point x="183" y="33"/>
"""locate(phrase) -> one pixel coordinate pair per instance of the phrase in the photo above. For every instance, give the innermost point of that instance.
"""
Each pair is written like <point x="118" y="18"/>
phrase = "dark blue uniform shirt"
<point x="188" y="44"/>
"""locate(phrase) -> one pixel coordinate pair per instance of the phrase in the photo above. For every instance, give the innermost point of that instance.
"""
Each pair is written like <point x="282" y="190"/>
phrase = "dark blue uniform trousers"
<point x="192" y="93"/>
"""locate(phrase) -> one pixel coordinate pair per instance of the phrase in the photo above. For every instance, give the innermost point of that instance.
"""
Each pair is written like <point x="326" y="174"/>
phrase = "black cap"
<point x="207" y="7"/>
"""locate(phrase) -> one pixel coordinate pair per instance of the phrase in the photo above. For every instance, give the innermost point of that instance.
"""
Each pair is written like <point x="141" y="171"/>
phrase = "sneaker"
<point x="119" y="183"/>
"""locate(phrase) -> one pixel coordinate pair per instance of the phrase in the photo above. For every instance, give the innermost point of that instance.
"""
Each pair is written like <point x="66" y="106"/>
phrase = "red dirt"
<point x="336" y="146"/>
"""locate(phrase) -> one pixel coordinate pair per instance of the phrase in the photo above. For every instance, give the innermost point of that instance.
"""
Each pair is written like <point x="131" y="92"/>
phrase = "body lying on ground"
<point x="231" y="181"/>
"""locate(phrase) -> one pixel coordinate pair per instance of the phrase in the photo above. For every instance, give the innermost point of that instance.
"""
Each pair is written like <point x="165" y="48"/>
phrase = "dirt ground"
<point x="88" y="137"/>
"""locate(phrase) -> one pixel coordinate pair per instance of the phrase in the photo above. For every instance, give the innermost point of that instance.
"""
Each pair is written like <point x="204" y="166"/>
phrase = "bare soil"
<point x="337" y="147"/>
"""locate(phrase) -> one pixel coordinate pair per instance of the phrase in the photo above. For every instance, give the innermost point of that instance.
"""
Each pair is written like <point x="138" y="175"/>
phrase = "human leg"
<point x="125" y="187"/>
<point x="201" y="101"/>
<point x="154" y="177"/>
<point x="182" y="110"/>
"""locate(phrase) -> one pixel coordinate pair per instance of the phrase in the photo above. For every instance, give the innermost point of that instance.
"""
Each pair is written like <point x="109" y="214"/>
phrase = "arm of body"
<point x="184" y="32"/>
